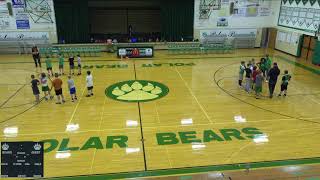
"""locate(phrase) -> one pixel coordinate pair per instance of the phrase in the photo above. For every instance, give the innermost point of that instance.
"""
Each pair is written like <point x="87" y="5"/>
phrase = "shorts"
<point x="71" y="66"/>
<point x="73" y="90"/>
<point x="240" y="76"/>
<point x="58" y="92"/>
<point x="90" y="88"/>
<point x="49" y="68"/>
<point x="35" y="91"/>
<point x="45" y="88"/>
<point x="258" y="89"/>
<point x="79" y="65"/>
<point x="284" y="87"/>
<point x="60" y="66"/>
<point x="36" y="57"/>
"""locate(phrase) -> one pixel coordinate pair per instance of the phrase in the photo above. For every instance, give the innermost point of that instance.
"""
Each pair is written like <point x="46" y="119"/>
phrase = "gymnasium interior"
<point x="160" y="89"/>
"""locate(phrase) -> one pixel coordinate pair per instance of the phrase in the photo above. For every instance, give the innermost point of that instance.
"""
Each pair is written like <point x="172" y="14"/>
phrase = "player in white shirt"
<point x="89" y="80"/>
<point x="79" y="64"/>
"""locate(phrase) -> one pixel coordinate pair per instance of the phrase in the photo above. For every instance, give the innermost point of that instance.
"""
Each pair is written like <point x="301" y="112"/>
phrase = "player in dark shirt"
<point x="248" y="78"/>
<point x="35" y="89"/>
<point x="273" y="78"/>
<point x="71" y="64"/>
<point x="36" y="56"/>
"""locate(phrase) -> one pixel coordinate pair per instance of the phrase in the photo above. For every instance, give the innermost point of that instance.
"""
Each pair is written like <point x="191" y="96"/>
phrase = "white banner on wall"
<point x="229" y="33"/>
<point x="23" y="36"/>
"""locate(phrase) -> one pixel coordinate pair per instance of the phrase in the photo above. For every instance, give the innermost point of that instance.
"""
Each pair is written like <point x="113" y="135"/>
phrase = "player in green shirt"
<point x="262" y="66"/>
<point x="241" y="72"/>
<point x="268" y="64"/>
<point x="284" y="83"/>
<point x="61" y="63"/>
<point x="49" y="66"/>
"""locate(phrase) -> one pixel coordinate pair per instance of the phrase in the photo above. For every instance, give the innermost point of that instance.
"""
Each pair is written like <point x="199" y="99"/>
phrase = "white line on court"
<point x="229" y="160"/>
<point x="168" y="157"/>
<point x="155" y="106"/>
<point x="101" y="119"/>
<point x="75" y="109"/>
<point x="296" y="89"/>
<point x="124" y="129"/>
<point x="205" y="113"/>
<point x="273" y="134"/>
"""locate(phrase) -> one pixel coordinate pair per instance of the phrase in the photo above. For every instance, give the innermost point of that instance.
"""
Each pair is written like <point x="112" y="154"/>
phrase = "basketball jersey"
<point x="285" y="79"/>
<point x="44" y="82"/>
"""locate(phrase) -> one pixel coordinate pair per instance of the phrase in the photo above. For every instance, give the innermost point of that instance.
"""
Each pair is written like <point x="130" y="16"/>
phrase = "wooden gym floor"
<point x="204" y="123"/>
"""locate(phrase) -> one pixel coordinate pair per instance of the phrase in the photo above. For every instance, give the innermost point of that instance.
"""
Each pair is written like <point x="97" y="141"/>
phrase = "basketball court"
<point x="168" y="115"/>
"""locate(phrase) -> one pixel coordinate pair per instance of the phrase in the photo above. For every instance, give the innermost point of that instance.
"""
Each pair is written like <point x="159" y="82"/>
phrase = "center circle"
<point x="137" y="91"/>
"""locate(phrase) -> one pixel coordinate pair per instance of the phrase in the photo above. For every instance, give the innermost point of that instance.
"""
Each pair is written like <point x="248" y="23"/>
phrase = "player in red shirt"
<point x="254" y="75"/>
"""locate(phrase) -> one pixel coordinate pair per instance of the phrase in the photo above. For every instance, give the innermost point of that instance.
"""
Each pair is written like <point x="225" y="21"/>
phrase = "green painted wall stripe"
<point x="307" y="68"/>
<point x="201" y="169"/>
<point x="305" y="30"/>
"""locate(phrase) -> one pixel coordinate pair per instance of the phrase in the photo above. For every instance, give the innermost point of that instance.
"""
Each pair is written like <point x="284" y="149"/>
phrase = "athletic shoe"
<point x="58" y="102"/>
<point x="285" y="94"/>
<point x="63" y="101"/>
<point x="279" y="95"/>
<point x="88" y="95"/>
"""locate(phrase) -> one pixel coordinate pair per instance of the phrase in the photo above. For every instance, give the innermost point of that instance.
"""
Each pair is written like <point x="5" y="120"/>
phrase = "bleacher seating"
<point x="183" y="48"/>
<point x="197" y="48"/>
<point x="66" y="51"/>
<point x="9" y="46"/>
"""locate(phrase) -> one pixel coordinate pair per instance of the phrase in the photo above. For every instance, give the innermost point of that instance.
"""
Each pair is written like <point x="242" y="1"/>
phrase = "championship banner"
<point x="135" y="52"/>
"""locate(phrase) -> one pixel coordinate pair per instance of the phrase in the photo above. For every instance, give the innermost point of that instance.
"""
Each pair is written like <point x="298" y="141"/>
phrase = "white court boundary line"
<point x="75" y="109"/>
<point x="201" y="107"/>
<point x="101" y="120"/>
